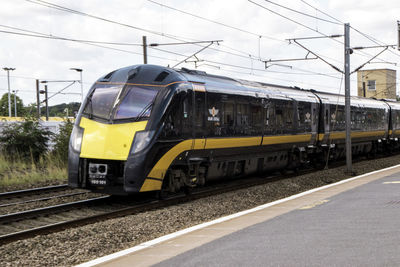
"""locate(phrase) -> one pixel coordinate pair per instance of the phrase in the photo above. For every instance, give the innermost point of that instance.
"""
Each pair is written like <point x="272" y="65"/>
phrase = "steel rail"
<point x="40" y="212"/>
<point x="40" y="199"/>
<point x="144" y="205"/>
<point x="39" y="190"/>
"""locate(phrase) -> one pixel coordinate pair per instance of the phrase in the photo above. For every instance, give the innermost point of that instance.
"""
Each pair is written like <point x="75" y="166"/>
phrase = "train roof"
<point x="153" y="74"/>
<point x="392" y="103"/>
<point x="222" y="84"/>
<point x="239" y="86"/>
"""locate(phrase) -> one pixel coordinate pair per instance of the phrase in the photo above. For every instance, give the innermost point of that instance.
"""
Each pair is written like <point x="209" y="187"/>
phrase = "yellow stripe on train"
<point x="342" y="135"/>
<point x="159" y="170"/>
<point x="161" y="167"/>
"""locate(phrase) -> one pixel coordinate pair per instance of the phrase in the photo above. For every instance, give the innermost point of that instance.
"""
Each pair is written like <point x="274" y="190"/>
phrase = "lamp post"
<point x="80" y="71"/>
<point x="9" y="96"/>
<point x="15" y="102"/>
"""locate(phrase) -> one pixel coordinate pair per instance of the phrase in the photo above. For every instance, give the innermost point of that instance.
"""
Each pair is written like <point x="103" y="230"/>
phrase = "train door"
<point x="326" y="122"/>
<point x="199" y="111"/>
<point x="314" y="123"/>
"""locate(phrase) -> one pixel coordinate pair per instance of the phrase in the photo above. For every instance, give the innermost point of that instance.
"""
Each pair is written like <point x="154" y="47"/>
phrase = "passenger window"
<point x="228" y="122"/>
<point x="270" y="119"/>
<point x="288" y="114"/>
<point x="279" y="119"/>
<point x="326" y="117"/>
<point x="284" y="117"/>
<point x="242" y="119"/>
<point x="256" y="119"/>
<point x="304" y="116"/>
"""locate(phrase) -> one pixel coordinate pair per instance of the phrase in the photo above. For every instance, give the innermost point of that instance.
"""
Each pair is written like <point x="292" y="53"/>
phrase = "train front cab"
<point x="117" y="123"/>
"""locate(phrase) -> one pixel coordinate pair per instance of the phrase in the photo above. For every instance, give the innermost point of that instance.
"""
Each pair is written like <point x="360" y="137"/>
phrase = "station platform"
<point x="355" y="222"/>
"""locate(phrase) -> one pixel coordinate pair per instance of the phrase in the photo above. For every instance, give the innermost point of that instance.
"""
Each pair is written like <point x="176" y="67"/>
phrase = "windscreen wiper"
<point x="144" y="110"/>
<point x="90" y="104"/>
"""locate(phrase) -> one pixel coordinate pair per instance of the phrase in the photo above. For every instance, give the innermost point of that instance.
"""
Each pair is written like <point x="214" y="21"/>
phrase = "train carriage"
<point x="150" y="128"/>
<point x="369" y="124"/>
<point x="394" y="126"/>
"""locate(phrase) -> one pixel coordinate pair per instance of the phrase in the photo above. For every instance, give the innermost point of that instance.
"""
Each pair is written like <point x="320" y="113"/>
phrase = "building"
<point x="377" y="83"/>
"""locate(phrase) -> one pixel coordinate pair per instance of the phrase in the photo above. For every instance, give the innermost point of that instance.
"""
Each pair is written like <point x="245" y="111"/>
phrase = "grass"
<point x="17" y="173"/>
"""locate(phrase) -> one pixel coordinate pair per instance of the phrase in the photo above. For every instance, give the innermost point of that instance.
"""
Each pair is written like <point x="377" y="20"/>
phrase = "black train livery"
<point x="150" y="128"/>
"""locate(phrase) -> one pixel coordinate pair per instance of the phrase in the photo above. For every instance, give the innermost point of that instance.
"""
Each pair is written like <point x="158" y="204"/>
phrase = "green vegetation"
<point x="17" y="172"/>
<point x="24" y="140"/>
<point x="4" y="105"/>
<point x="25" y="158"/>
<point x="61" y="110"/>
<point x="61" y="141"/>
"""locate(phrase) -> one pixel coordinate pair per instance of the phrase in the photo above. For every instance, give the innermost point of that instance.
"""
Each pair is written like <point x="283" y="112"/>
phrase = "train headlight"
<point x="76" y="138"/>
<point x="141" y="140"/>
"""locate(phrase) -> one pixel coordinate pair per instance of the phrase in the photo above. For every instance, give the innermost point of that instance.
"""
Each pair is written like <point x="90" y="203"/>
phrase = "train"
<point x="146" y="128"/>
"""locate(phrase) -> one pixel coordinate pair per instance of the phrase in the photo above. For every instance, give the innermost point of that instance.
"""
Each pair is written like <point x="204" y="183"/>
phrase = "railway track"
<point x="27" y="223"/>
<point x="56" y="218"/>
<point x="36" y="194"/>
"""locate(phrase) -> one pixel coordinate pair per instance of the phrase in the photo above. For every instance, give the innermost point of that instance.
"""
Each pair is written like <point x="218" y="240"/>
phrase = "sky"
<point x="107" y="35"/>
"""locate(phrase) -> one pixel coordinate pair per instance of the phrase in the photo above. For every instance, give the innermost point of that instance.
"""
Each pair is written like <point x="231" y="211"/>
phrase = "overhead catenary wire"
<point x="53" y="37"/>
<point x="287" y="18"/>
<point x="302" y="13"/>
<point x="34" y="92"/>
<point x="171" y="36"/>
<point x="278" y="79"/>
<point x="374" y="40"/>
<point x="358" y="31"/>
<point x="307" y="27"/>
<point x="216" y="22"/>
<point x="322" y="12"/>
<point x="251" y="68"/>
<point x="60" y="91"/>
<point x="174" y="37"/>
<point x="65" y="9"/>
<point x="88" y="42"/>
<point x="232" y="27"/>
<point x="41" y="35"/>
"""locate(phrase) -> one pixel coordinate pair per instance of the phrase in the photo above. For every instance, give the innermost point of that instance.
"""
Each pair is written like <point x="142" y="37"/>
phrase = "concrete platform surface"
<point x="355" y="222"/>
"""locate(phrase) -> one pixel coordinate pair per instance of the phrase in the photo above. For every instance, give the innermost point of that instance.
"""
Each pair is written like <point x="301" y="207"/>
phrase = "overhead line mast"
<point x="347" y="52"/>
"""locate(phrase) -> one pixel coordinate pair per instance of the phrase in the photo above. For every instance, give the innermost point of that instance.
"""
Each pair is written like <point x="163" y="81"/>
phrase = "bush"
<point x="26" y="140"/>
<point x="61" y="141"/>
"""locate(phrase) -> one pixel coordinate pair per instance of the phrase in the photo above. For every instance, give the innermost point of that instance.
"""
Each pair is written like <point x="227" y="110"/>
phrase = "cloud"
<point x="37" y="58"/>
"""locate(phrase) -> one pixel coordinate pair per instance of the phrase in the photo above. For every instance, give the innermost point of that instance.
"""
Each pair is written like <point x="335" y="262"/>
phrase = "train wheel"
<point x="188" y="190"/>
<point x="162" y="194"/>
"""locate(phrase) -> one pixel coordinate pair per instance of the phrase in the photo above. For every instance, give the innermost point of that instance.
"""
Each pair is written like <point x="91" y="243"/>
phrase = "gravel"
<point x="78" y="245"/>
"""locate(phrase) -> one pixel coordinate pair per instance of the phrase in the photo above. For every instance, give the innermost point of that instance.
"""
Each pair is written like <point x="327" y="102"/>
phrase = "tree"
<point x="61" y="141"/>
<point x="4" y="106"/>
<point x="27" y="140"/>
